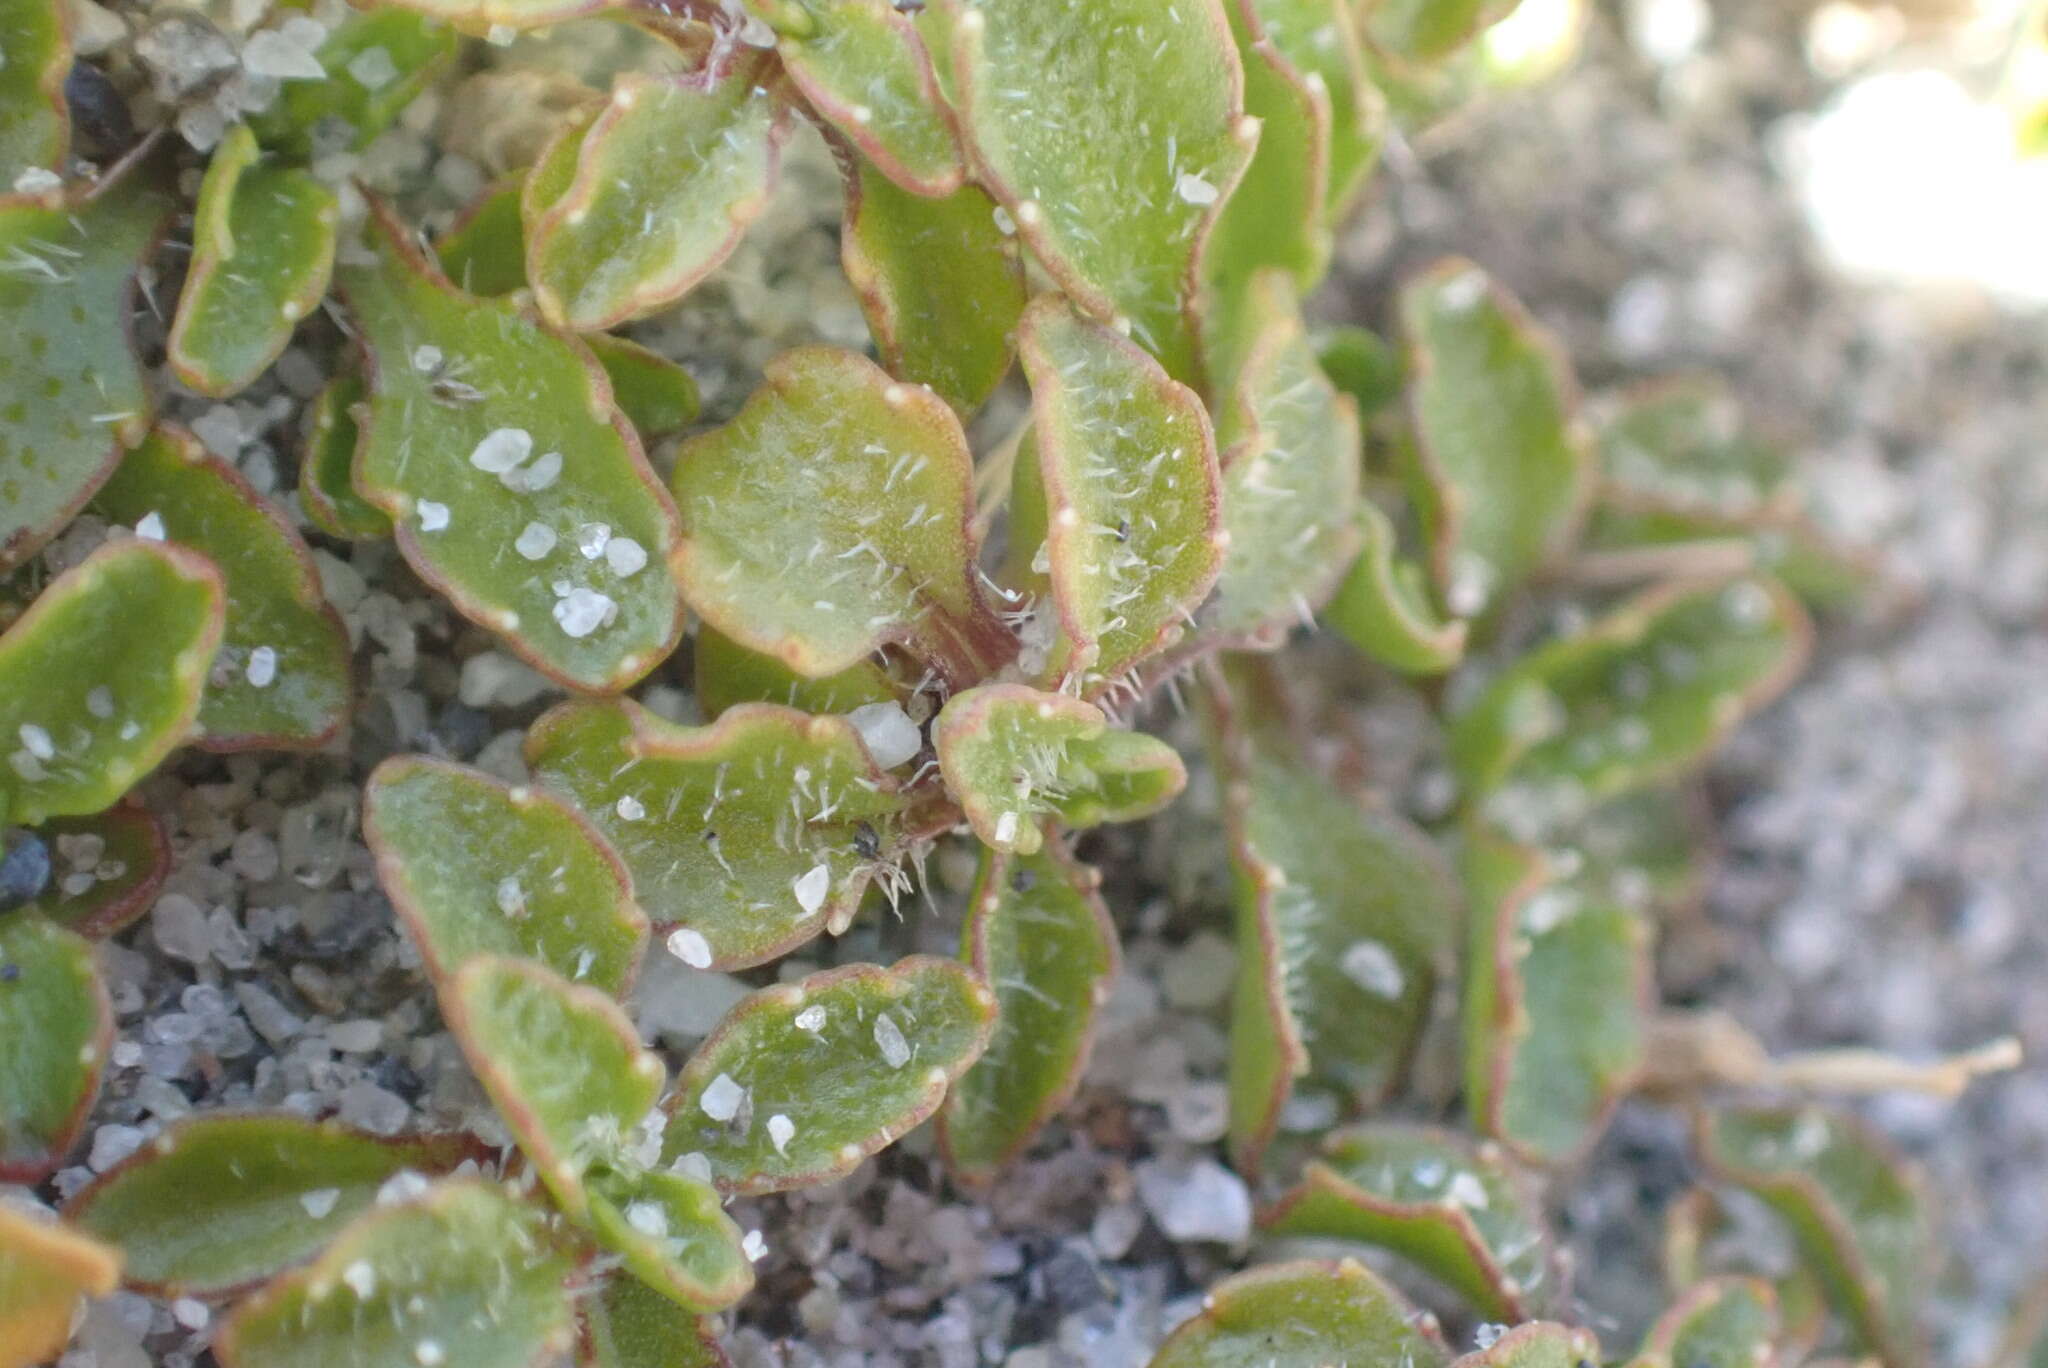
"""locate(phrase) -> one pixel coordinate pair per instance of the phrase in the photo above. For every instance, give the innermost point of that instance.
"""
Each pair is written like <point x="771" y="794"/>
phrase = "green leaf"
<point x="484" y="250"/>
<point x="940" y="284"/>
<point x="1115" y="156"/>
<point x="1647" y="850"/>
<point x="71" y="391"/>
<point x="1307" y="1314"/>
<point x="674" y="1235"/>
<point x="44" y="1269"/>
<point x="1852" y="1203"/>
<point x="1784" y="544"/>
<point x="1291" y="472"/>
<point x="1384" y="608"/>
<point x="1680" y="444"/>
<point x="221" y="1202"/>
<point x="666" y="182"/>
<point x="727" y="674"/>
<point x="35" y="120"/>
<point x="327" y="490"/>
<point x="1504" y="466"/>
<point x="1013" y="756"/>
<point x="1038" y="933"/>
<point x="122" y="858"/>
<point x="1721" y="1323"/>
<point x="1430" y="30"/>
<point x="850" y="1059"/>
<point x="1132" y="492"/>
<point x="864" y="70"/>
<point x="1363" y="365"/>
<point x="463" y="1275"/>
<point x="1556" y="1003"/>
<point x="456" y="378"/>
<point x="657" y="395"/>
<point x="475" y="866"/>
<point x="1451" y="1207"/>
<point x="1321" y="130"/>
<point x="262" y="250"/>
<point x="281" y="677"/>
<point x="481" y="16"/>
<point x="1345" y="916"/>
<point x="1539" y="1344"/>
<point x="630" y="1325"/>
<point x="561" y="1062"/>
<point x="563" y="1065"/>
<point x="1637" y="697"/>
<point x="57" y="1023"/>
<point x="364" y="91"/>
<point x="830" y="518"/>
<point x="746" y="837"/>
<point x="101" y="677"/>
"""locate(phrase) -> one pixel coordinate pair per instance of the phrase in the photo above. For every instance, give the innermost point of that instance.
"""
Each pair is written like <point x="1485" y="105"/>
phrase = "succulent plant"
<point x="920" y="617"/>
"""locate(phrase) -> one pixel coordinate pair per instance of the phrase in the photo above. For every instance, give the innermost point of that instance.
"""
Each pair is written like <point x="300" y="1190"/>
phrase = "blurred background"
<point x="1842" y="209"/>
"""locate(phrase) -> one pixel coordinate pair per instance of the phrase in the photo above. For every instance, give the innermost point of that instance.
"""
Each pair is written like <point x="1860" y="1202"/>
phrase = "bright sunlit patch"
<point x="1908" y="178"/>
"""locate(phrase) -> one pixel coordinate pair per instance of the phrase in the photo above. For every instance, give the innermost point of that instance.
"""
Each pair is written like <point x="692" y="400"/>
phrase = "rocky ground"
<point x="1885" y="826"/>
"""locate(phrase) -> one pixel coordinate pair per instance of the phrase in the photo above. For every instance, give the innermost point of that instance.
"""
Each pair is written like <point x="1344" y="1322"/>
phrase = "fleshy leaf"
<point x="562" y="1063"/>
<point x="71" y="392"/>
<point x="630" y="1325"/>
<point x="753" y="834"/>
<point x="1538" y="1344"/>
<point x="221" y="1202"/>
<point x="1503" y="465"/>
<point x="864" y="70"/>
<point x="1114" y="157"/>
<point x="674" y="1235"/>
<point x="1345" y="915"/>
<point x="477" y="866"/>
<point x="484" y="249"/>
<point x="57" y="1023"/>
<point x="1363" y="365"/>
<point x="480" y="16"/>
<point x="44" y="1269"/>
<point x="101" y="677"/>
<point x="666" y="182"/>
<point x="1721" y="1323"/>
<point x="1555" y="1003"/>
<point x="1680" y="444"/>
<point x="1638" y="697"/>
<point x="1308" y="1314"/>
<point x="262" y="249"/>
<point x="940" y="284"/>
<point x="1428" y="31"/>
<point x="1784" y="544"/>
<point x="657" y="396"/>
<point x="1646" y="850"/>
<point x="107" y="869"/>
<point x="727" y="673"/>
<point x="1290" y="479"/>
<point x="281" y="677"/>
<point x="1013" y="756"/>
<point x="35" y="121"/>
<point x="849" y="1059"/>
<point x="1037" y="933"/>
<point x="1451" y="1207"/>
<point x="1132" y="491"/>
<point x="1852" y="1204"/>
<point x="463" y="392"/>
<point x="1384" y="607"/>
<point x="830" y="517"/>
<point x="377" y="62"/>
<point x="1279" y="215"/>
<point x="327" y="490"/>
<point x="461" y="1275"/>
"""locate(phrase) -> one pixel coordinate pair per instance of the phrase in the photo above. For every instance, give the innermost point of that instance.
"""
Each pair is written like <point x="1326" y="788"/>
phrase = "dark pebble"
<point x="24" y="870"/>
